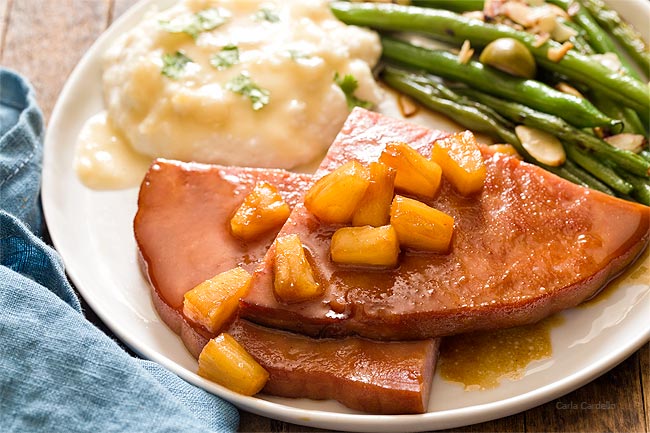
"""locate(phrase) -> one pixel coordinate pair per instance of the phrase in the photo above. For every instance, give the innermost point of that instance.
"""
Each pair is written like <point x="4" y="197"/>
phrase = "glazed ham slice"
<point x="181" y="229"/>
<point x="182" y="223"/>
<point x="372" y="376"/>
<point x="530" y="244"/>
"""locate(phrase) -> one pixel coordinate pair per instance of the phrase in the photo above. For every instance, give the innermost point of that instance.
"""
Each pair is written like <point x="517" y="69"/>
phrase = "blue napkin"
<point x="58" y="373"/>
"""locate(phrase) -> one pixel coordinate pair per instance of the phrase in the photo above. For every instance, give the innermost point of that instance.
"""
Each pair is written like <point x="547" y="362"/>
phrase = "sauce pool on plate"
<point x="481" y="360"/>
<point x="104" y="160"/>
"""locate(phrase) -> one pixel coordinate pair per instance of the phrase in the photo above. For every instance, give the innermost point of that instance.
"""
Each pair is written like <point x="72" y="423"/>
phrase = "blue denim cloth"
<point x="58" y="373"/>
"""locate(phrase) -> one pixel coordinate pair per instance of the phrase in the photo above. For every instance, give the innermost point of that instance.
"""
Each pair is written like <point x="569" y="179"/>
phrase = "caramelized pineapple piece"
<point x="227" y="363"/>
<point x="335" y="196"/>
<point x="416" y="174"/>
<point x="508" y="149"/>
<point x="419" y="226"/>
<point x="461" y="161"/>
<point x="371" y="246"/>
<point x="214" y="302"/>
<point x="262" y="210"/>
<point x="293" y="279"/>
<point x="374" y="207"/>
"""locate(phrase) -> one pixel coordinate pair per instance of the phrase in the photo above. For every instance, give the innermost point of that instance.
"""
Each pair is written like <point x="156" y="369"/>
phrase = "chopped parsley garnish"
<point x="349" y="85"/>
<point x="197" y="23"/>
<point x="267" y="14"/>
<point x="174" y="64"/>
<point x="243" y="85"/>
<point x="228" y="56"/>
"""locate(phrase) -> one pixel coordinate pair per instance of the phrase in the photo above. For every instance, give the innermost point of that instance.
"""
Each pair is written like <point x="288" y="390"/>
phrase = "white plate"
<point x="93" y="233"/>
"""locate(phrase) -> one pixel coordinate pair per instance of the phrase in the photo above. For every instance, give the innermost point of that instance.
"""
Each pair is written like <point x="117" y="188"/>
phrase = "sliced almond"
<point x="573" y="9"/>
<point x="568" y="89"/>
<point x="541" y="145"/>
<point x="474" y="15"/>
<point x="541" y="39"/>
<point x="626" y="141"/>
<point x="407" y="106"/>
<point x="466" y="52"/>
<point x="519" y="13"/>
<point x="556" y="54"/>
<point x="544" y="20"/>
<point x="562" y="33"/>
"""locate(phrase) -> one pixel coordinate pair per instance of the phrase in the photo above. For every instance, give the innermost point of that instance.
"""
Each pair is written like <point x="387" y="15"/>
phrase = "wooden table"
<point x="44" y="39"/>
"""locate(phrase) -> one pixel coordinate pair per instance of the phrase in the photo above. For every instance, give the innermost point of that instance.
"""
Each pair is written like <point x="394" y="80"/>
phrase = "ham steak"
<point x="181" y="229"/>
<point x="528" y="245"/>
<point x="182" y="223"/>
<point x="372" y="376"/>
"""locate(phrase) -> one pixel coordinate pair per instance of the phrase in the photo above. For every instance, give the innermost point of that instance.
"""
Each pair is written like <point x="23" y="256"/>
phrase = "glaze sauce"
<point x="104" y="160"/>
<point x="481" y="360"/>
<point x="635" y="274"/>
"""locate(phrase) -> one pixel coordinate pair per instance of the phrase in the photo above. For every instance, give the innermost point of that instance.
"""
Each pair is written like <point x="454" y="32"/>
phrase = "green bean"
<point x="436" y="86"/>
<point x="468" y="117"/>
<point x="579" y="42"/>
<point x="602" y="43"/>
<point x="641" y="187"/>
<point x="602" y="172"/>
<point x="598" y="39"/>
<point x="564" y="173"/>
<point x="519" y="113"/>
<point x="452" y="5"/>
<point x="452" y="27"/>
<point x="477" y="117"/>
<point x="631" y="122"/>
<point x="425" y="79"/>
<point x="627" y="36"/>
<point x="530" y="92"/>
<point x="645" y="154"/>
<point x="586" y="178"/>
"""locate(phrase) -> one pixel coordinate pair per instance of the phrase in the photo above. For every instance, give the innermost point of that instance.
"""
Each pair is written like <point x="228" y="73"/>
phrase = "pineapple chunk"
<point x="420" y="226"/>
<point x="508" y="149"/>
<point x="227" y="363"/>
<point x="335" y="196"/>
<point x="214" y="302"/>
<point x="373" y="246"/>
<point x="374" y="207"/>
<point x="293" y="279"/>
<point x="461" y="162"/>
<point x="262" y="210"/>
<point x="415" y="174"/>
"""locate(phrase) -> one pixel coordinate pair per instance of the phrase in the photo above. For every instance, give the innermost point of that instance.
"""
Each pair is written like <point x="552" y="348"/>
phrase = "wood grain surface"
<point x="44" y="40"/>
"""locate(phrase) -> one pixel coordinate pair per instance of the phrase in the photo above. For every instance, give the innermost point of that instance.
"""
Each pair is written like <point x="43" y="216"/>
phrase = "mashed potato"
<point x="239" y="82"/>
